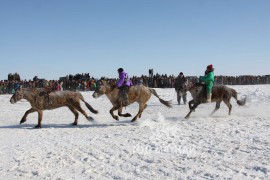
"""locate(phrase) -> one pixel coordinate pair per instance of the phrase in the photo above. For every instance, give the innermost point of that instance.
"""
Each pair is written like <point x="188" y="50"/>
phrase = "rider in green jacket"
<point x="209" y="78"/>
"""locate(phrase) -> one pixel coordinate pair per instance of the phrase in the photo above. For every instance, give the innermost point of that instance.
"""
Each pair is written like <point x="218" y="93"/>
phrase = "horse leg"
<point x="26" y="114"/>
<point x="40" y="116"/>
<point x="216" y="108"/>
<point x="141" y="108"/>
<point x="79" y="108"/>
<point x="191" y="110"/>
<point x="76" y="114"/>
<point x="123" y="115"/>
<point x="190" y="104"/>
<point x="113" y="109"/>
<point x="227" y="102"/>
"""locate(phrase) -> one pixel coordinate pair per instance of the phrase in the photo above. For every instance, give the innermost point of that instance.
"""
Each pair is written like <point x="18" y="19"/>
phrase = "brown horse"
<point x="57" y="99"/>
<point x="219" y="93"/>
<point x="139" y="94"/>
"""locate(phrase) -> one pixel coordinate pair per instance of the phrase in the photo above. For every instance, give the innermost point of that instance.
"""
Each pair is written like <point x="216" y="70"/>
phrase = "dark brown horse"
<point x="139" y="94"/>
<point x="57" y="99"/>
<point x="219" y="93"/>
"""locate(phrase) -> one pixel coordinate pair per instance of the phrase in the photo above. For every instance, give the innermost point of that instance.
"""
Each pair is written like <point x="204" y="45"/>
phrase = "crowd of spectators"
<point x="84" y="82"/>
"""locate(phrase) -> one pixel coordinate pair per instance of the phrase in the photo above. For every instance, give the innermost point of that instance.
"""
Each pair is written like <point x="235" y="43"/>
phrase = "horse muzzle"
<point x="12" y="101"/>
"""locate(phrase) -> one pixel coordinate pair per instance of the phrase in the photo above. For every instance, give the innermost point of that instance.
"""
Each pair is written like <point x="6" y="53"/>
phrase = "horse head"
<point x="18" y="95"/>
<point x="103" y="88"/>
<point x="187" y="86"/>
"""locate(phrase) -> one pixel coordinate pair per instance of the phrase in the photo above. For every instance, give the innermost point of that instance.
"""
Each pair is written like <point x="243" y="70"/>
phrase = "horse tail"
<point x="239" y="102"/>
<point x="166" y="103"/>
<point x="87" y="104"/>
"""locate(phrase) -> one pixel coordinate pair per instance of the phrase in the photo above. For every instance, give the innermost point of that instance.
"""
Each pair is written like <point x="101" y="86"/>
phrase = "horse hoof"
<point x="116" y="118"/>
<point x="74" y="124"/>
<point x="38" y="126"/>
<point x="133" y="120"/>
<point x="22" y="121"/>
<point x="186" y="117"/>
<point x="129" y="115"/>
<point x="90" y="118"/>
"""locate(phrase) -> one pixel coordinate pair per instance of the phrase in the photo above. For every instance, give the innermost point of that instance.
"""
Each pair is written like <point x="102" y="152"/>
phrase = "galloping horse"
<point x="57" y="99"/>
<point x="219" y="93"/>
<point x="139" y="94"/>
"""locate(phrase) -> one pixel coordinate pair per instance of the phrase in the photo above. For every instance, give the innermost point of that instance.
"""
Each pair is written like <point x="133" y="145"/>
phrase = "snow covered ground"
<point x="160" y="145"/>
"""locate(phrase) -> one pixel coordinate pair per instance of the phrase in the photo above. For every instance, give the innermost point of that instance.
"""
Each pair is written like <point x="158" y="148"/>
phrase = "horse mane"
<point x="32" y="88"/>
<point x="199" y="84"/>
<point x="112" y="86"/>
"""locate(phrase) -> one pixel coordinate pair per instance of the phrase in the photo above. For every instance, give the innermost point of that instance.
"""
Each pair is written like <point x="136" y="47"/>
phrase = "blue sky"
<point x="53" y="38"/>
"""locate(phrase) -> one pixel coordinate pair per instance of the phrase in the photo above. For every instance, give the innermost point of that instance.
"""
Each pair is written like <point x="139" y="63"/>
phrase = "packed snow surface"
<point x="162" y="144"/>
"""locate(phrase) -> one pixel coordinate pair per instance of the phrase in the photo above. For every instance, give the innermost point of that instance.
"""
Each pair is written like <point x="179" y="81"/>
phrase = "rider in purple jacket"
<point x="123" y="83"/>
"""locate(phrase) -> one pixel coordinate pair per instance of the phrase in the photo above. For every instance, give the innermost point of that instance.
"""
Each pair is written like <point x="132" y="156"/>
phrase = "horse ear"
<point x="18" y="89"/>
